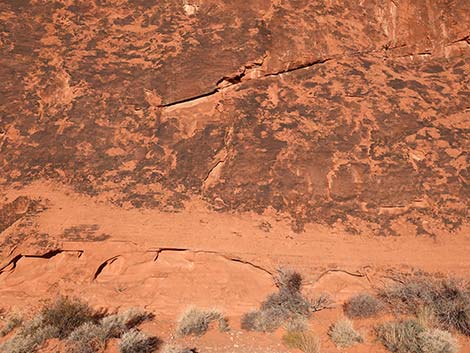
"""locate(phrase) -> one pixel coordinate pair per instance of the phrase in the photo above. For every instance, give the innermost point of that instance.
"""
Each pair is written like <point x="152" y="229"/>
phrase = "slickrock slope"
<point x="155" y="151"/>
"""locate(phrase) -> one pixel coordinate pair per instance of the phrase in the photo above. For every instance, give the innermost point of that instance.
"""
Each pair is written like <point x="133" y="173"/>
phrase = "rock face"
<point x="347" y="113"/>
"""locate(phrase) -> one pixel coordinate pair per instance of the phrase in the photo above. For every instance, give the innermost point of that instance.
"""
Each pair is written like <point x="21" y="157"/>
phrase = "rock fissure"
<point x="101" y="267"/>
<point x="47" y="256"/>
<point x="225" y="256"/>
<point x="238" y="79"/>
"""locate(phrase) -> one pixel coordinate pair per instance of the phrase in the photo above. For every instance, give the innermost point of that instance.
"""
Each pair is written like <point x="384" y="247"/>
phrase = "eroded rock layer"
<point x="353" y="114"/>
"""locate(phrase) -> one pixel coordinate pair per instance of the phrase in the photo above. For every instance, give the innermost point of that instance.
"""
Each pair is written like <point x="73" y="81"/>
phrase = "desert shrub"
<point x="172" y="348"/>
<point x="135" y="341"/>
<point x="29" y="339"/>
<point x="437" y="341"/>
<point x="362" y="306"/>
<point x="286" y="304"/>
<point x="87" y="338"/>
<point x="223" y="324"/>
<point x="288" y="280"/>
<point x="401" y="336"/>
<point x="66" y="315"/>
<point x="85" y="330"/>
<point x="13" y="322"/>
<point x="91" y="337"/>
<point x="195" y="321"/>
<point x="116" y="324"/>
<point x="298" y="323"/>
<point x="20" y="344"/>
<point x="449" y="299"/>
<point x="262" y="320"/>
<point x="306" y="341"/>
<point x="343" y="334"/>
<point x="426" y="317"/>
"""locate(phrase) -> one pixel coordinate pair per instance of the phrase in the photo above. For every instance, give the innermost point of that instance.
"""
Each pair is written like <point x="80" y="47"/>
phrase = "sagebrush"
<point x="362" y="305"/>
<point x="448" y="299"/>
<point x="135" y="341"/>
<point x="83" y="329"/>
<point x="195" y="321"/>
<point x="401" y="336"/>
<point x="287" y="304"/>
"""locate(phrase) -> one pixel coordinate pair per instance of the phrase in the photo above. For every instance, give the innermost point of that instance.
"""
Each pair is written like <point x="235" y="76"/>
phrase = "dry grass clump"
<point x="426" y="317"/>
<point x="135" y="341"/>
<point x="286" y="304"/>
<point x="297" y="324"/>
<point x="438" y="341"/>
<point x="306" y="341"/>
<point x="116" y="324"/>
<point x="401" y="336"/>
<point x="195" y="321"/>
<point x="448" y="299"/>
<point x="343" y="334"/>
<point x="13" y="321"/>
<point x="362" y="305"/>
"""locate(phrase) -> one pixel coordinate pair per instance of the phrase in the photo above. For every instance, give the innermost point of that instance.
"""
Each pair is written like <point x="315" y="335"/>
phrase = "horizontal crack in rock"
<point x="48" y="255"/>
<point x="225" y="256"/>
<point x="238" y="79"/>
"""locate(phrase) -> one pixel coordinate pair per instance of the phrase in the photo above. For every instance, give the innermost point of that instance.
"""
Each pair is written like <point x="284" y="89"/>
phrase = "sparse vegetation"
<point x="30" y="338"/>
<point x="84" y="330"/>
<point x="89" y="337"/>
<point x="297" y="324"/>
<point x="175" y="348"/>
<point x="409" y="336"/>
<point x="438" y="341"/>
<point x="343" y="334"/>
<point x="306" y="341"/>
<point x="172" y="348"/>
<point x="135" y="341"/>
<point x="66" y="315"/>
<point x="116" y="324"/>
<point x="401" y="336"/>
<point x="195" y="321"/>
<point x="285" y="305"/>
<point x="362" y="305"/>
<point x="426" y="317"/>
<point x="13" y="322"/>
<point x="449" y="300"/>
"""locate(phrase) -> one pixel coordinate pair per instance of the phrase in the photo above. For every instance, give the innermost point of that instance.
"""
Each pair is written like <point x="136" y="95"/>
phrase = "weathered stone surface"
<point x="334" y="112"/>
